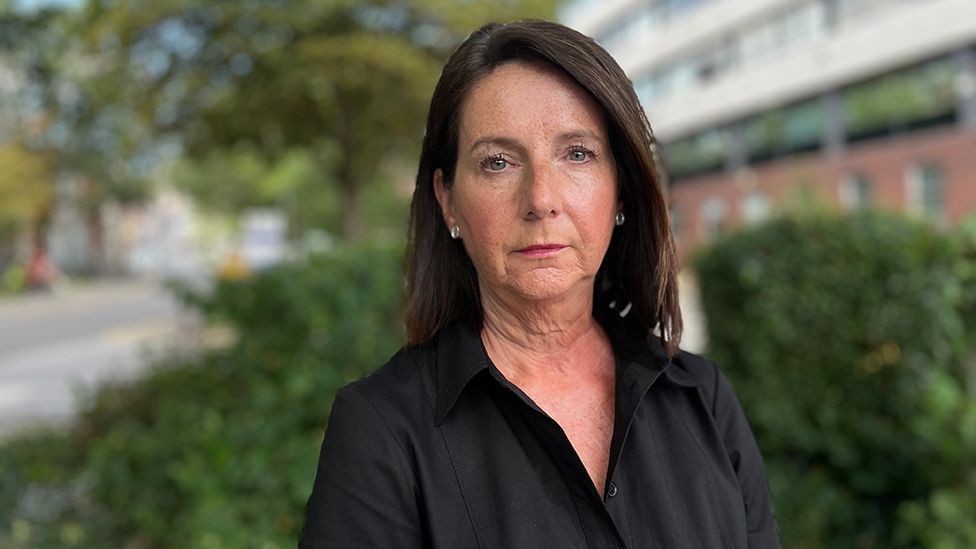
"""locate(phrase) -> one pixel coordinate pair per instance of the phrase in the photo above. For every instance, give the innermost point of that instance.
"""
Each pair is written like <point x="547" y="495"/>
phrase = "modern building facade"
<point x="757" y="104"/>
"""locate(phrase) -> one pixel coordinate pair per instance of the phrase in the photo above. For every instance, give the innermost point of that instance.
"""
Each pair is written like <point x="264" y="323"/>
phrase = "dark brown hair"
<point x="637" y="279"/>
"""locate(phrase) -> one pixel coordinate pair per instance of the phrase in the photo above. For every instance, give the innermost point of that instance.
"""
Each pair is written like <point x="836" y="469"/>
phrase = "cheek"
<point x="595" y="211"/>
<point x="485" y="224"/>
<point x="597" y="206"/>
<point x="596" y="198"/>
<point x="481" y="213"/>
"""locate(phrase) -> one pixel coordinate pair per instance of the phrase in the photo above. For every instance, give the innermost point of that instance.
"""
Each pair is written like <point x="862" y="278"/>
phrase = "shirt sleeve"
<point x="364" y="493"/>
<point x="747" y="462"/>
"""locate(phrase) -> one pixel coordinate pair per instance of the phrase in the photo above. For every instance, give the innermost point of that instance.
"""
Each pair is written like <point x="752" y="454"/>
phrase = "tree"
<point x="26" y="178"/>
<point x="231" y="180"/>
<point x="26" y="192"/>
<point x="50" y="126"/>
<point x="351" y="77"/>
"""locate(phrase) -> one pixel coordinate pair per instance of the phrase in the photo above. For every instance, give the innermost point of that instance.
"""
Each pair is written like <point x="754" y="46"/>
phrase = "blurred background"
<point x="203" y="210"/>
<point x="859" y="103"/>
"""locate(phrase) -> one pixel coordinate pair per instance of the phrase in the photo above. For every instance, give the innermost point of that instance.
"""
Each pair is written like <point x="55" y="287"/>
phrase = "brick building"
<point x="762" y="103"/>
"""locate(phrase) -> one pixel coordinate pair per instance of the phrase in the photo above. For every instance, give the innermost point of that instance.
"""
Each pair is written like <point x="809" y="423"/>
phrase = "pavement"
<point x="56" y="346"/>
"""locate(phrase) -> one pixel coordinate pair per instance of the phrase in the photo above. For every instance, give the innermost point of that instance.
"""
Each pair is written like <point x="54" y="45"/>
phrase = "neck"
<point x="538" y="339"/>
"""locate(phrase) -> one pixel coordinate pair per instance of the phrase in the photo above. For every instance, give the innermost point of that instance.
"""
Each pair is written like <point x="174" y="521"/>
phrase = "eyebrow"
<point x="509" y="142"/>
<point x="513" y="143"/>
<point x="580" y="134"/>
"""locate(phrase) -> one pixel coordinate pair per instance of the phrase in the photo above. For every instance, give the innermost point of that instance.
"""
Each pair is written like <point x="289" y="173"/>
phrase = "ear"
<point x="443" y="195"/>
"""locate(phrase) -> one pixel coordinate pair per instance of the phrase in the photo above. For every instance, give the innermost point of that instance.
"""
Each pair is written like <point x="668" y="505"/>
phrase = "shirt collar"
<point x="633" y="346"/>
<point x="461" y="356"/>
<point x="677" y="374"/>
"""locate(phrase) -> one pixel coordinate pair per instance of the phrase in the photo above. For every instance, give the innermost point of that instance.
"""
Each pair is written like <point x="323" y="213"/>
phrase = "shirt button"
<point x="613" y="490"/>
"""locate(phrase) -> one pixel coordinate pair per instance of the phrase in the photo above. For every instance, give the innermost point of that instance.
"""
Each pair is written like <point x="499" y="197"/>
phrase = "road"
<point x="54" y="346"/>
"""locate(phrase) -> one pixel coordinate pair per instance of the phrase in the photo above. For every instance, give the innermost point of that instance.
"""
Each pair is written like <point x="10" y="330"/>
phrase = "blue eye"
<point x="580" y="153"/>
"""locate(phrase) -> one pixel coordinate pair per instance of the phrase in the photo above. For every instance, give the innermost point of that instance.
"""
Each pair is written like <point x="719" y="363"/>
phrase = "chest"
<point x="586" y="416"/>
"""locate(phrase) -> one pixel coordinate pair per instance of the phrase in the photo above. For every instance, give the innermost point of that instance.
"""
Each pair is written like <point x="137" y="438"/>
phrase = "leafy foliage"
<point x="108" y="91"/>
<point x="25" y="189"/>
<point x="850" y="342"/>
<point x="218" y="451"/>
<point x="230" y="181"/>
<point x="346" y="83"/>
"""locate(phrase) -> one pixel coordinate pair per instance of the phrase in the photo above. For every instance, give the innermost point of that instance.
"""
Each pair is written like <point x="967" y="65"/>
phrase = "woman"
<point x="541" y="400"/>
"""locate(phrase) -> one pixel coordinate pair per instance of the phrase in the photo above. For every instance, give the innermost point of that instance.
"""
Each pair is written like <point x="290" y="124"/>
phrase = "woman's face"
<point x="535" y="187"/>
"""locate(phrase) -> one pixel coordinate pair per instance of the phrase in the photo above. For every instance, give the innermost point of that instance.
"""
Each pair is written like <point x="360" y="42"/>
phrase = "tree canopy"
<point x="345" y="82"/>
<point x="297" y="104"/>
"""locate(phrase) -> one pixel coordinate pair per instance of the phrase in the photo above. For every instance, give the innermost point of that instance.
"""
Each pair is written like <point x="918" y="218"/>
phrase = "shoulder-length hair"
<point x="638" y="277"/>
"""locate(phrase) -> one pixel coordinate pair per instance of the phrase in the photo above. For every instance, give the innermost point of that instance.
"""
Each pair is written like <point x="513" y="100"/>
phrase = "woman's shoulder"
<point x="419" y="383"/>
<point x="693" y="370"/>
<point x="401" y="385"/>
<point x="404" y="367"/>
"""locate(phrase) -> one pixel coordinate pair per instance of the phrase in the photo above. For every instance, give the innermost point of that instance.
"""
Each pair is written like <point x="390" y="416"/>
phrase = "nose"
<point x="540" y="192"/>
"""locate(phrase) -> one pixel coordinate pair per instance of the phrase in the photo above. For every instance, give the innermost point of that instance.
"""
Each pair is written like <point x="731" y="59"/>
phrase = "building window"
<point x="631" y="30"/>
<point x="640" y="21"/>
<point x="759" y="43"/>
<point x="856" y="192"/>
<point x="792" y="129"/>
<point x="806" y="23"/>
<point x="713" y="216"/>
<point x="926" y="191"/>
<point x="701" y="153"/>
<point x="755" y="207"/>
<point x="918" y="97"/>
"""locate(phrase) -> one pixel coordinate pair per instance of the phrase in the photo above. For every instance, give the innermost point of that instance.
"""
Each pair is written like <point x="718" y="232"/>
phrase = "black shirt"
<point x="437" y="449"/>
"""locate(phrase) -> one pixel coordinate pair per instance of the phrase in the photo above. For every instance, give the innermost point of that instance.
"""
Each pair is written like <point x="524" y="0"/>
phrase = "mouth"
<point x="541" y="250"/>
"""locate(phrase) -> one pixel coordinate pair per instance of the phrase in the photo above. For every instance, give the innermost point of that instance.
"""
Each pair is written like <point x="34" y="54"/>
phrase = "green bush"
<point x="218" y="450"/>
<point x="850" y="341"/>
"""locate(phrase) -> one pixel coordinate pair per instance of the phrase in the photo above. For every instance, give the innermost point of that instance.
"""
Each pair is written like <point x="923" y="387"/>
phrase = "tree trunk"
<point x="93" y="221"/>
<point x="39" y="227"/>
<point x="352" y="222"/>
<point x="351" y="227"/>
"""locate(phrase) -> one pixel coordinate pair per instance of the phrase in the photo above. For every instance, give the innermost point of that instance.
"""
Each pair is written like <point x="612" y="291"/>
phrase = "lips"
<point x="541" y="250"/>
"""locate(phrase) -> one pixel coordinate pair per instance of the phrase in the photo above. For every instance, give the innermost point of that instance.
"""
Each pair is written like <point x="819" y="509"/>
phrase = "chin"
<point x="544" y="286"/>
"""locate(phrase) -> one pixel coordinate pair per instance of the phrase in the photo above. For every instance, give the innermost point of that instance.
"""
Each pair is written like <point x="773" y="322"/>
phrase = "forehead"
<point x="521" y="99"/>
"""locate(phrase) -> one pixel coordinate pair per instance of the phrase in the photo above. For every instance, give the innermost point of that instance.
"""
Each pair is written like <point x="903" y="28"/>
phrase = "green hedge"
<point x="850" y="341"/>
<point x="218" y="450"/>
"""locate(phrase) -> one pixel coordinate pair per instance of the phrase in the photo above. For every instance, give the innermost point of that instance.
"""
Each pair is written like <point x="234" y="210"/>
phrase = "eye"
<point x="579" y="153"/>
<point x="494" y="163"/>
